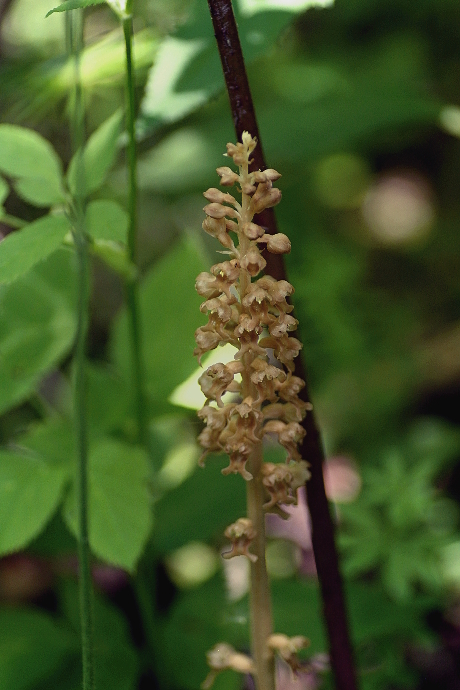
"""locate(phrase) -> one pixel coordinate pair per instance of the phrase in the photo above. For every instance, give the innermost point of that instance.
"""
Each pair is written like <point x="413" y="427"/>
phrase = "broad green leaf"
<point x="116" y="257"/>
<point x="37" y="325"/>
<point x="107" y="399"/>
<point x="187" y="71"/>
<point x="297" y="610"/>
<point x="184" y="514"/>
<point x="52" y="441"/>
<point x="103" y="66"/>
<point x="170" y="288"/>
<point x="31" y="160"/>
<point x="374" y="615"/>
<point x="4" y="191"/>
<point x="98" y="156"/>
<point x="39" y="191"/>
<point x="22" y="249"/>
<point x="106" y="220"/>
<point x="119" y="503"/>
<point x="197" y="621"/>
<point x="250" y="7"/>
<point x="30" y="490"/>
<point x="74" y="5"/>
<point x="116" y="660"/>
<point x="33" y="647"/>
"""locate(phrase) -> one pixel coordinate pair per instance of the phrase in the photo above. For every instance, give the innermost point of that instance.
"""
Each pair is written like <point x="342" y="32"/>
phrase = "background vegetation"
<point x="357" y="107"/>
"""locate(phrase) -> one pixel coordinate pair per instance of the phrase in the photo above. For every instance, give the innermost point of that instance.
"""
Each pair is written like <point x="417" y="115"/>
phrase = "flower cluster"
<point x="257" y="393"/>
<point x="252" y="314"/>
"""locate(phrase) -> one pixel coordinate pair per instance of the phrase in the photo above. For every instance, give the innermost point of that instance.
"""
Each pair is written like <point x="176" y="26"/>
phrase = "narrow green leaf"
<point x="21" y="250"/>
<point x="31" y="160"/>
<point x="37" y="325"/>
<point x="118" y="6"/>
<point x="74" y="5"/>
<point x="30" y="491"/>
<point x="106" y="220"/>
<point x="32" y="648"/>
<point x="119" y="503"/>
<point x="170" y="287"/>
<point x="99" y="154"/>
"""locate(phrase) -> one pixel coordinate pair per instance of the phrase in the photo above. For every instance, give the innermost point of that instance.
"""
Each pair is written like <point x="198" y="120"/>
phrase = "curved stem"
<point x="74" y="30"/>
<point x="132" y="287"/>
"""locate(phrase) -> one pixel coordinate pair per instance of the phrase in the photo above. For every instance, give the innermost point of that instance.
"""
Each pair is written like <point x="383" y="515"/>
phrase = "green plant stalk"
<point x="74" y="30"/>
<point x="132" y="287"/>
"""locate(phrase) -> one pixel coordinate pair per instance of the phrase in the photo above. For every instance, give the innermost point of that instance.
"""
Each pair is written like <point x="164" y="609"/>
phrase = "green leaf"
<point x="106" y="220"/>
<point x="30" y="490"/>
<point x="32" y="648"/>
<point x="119" y="503"/>
<point x="52" y="441"/>
<point x="187" y="70"/>
<point x="183" y="514"/>
<point x="116" y="257"/>
<point x="297" y="610"/>
<point x="119" y="7"/>
<point x="22" y="249"/>
<point x="107" y="399"/>
<point x="197" y="621"/>
<point x="4" y="191"/>
<point x="170" y="287"/>
<point x="116" y="662"/>
<point x="74" y="5"/>
<point x="98" y="156"/>
<point x="37" y="325"/>
<point x="374" y="615"/>
<point x="31" y="160"/>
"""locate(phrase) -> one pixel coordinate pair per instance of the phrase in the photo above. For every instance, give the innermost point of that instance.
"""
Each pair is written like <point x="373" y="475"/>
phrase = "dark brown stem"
<point x="326" y="557"/>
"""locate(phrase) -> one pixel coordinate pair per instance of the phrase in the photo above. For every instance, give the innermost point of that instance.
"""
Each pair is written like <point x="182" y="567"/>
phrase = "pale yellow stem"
<point x="260" y="600"/>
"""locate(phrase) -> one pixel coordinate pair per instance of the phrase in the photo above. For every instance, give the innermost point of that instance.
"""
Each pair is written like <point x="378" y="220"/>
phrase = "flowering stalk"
<point x="253" y="315"/>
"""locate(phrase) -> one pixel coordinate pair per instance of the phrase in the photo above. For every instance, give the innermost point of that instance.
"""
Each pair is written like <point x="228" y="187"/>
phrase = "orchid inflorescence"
<point x="256" y="393"/>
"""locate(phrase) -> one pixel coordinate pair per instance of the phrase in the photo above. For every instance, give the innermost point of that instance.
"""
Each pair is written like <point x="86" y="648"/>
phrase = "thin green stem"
<point x="12" y="221"/>
<point x="74" y="30"/>
<point x="132" y="287"/>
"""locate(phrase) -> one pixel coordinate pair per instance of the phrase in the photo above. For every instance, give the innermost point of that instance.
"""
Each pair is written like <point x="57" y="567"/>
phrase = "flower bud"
<point x="272" y="174"/>
<point x="216" y="210"/>
<point x="215" y="195"/>
<point x="253" y="231"/>
<point x="266" y="199"/>
<point x="248" y="189"/>
<point x="227" y="176"/>
<point x="278" y="244"/>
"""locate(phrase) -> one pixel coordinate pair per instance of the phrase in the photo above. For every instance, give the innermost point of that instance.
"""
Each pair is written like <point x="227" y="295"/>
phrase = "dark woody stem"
<point x="325" y="552"/>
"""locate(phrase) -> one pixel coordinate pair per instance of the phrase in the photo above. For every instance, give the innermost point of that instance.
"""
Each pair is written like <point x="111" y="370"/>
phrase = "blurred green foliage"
<point x="357" y="108"/>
